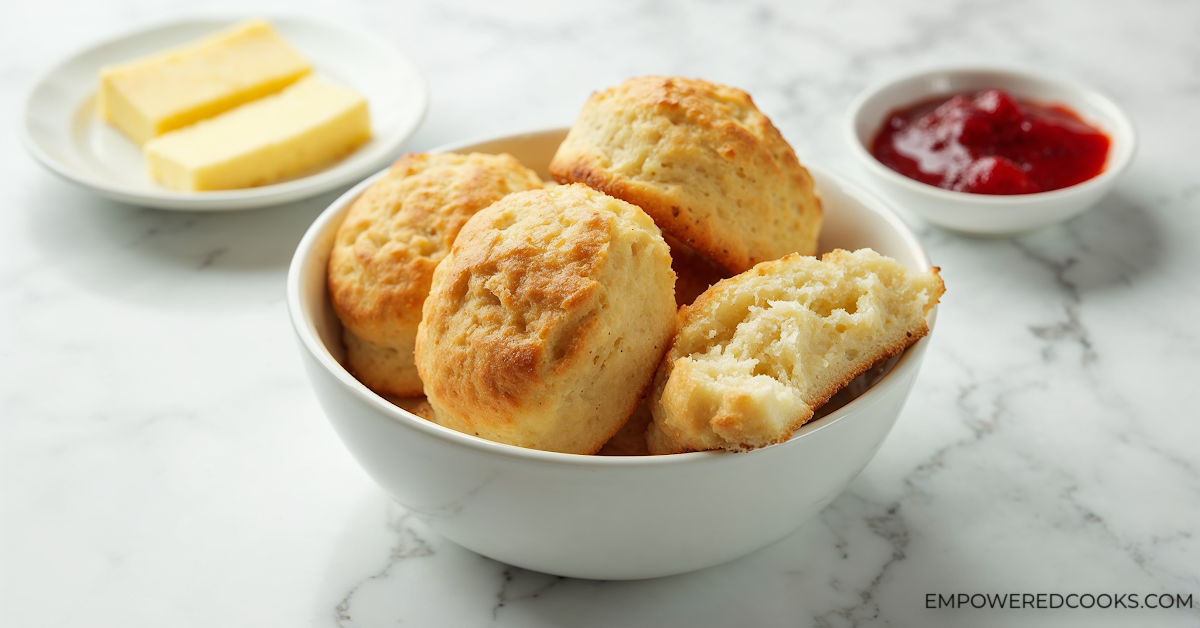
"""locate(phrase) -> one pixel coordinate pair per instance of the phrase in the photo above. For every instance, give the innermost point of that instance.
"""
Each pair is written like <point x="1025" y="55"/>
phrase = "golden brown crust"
<point x="546" y="320"/>
<point x="418" y="406"/>
<point x="631" y="439"/>
<point x="701" y="159"/>
<point x="530" y="307"/>
<point x="385" y="370"/>
<point x="391" y="241"/>
<point x="856" y="387"/>
<point x="694" y="272"/>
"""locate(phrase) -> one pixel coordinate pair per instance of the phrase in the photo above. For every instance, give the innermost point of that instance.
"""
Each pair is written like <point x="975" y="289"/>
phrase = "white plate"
<point x="61" y="129"/>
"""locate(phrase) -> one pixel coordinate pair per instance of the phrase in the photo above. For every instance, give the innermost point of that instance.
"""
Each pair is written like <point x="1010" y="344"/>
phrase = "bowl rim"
<point x="312" y="343"/>
<point x="1122" y="136"/>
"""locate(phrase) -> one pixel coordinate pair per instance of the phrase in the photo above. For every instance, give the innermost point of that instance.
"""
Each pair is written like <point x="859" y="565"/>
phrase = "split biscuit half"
<point x="756" y="354"/>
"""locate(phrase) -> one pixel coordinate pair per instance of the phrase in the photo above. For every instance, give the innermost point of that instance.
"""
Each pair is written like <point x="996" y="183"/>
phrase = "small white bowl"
<point x="594" y="516"/>
<point x="983" y="214"/>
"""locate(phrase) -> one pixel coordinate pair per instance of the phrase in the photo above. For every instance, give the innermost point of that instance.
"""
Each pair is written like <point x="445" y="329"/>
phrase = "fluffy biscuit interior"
<point x="756" y="354"/>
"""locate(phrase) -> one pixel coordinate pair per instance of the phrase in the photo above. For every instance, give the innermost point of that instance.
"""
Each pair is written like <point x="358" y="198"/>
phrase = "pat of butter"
<point x="307" y="125"/>
<point x="153" y="95"/>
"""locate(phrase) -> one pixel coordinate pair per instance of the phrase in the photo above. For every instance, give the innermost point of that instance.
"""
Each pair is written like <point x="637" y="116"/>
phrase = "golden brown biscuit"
<point x="694" y="273"/>
<point x="414" y="405"/>
<point x="385" y="369"/>
<point x="857" y="387"/>
<point x="547" y="319"/>
<point x="702" y="161"/>
<point x="631" y="439"/>
<point x="393" y="237"/>
<point x="757" y="353"/>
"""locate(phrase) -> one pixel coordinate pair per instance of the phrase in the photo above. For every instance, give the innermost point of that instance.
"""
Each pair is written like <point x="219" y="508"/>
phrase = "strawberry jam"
<point x="991" y="143"/>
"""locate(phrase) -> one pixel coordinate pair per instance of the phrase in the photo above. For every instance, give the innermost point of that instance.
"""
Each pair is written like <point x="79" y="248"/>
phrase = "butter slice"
<point x="307" y="125"/>
<point x="153" y="95"/>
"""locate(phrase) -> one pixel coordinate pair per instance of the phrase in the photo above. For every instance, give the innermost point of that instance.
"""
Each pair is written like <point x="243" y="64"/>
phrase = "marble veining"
<point x="164" y="462"/>
<point x="409" y="545"/>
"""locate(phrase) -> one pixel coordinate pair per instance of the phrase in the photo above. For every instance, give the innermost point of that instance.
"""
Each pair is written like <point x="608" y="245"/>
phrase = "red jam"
<point x="990" y="143"/>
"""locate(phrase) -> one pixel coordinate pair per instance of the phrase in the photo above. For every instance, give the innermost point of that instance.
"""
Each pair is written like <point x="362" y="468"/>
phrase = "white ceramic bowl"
<point x="983" y="214"/>
<point x="593" y="516"/>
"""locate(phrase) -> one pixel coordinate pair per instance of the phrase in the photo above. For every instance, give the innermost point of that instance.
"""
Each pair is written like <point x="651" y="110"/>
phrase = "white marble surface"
<point x="164" y="463"/>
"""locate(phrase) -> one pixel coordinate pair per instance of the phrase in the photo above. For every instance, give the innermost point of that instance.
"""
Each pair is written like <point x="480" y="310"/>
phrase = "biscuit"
<point x="387" y="247"/>
<point x="384" y="368"/>
<point x="702" y="161"/>
<point x="631" y="439"/>
<point x="546" y="321"/>
<point x="694" y="273"/>
<point x="757" y="353"/>
<point x="857" y="387"/>
<point x="418" y="406"/>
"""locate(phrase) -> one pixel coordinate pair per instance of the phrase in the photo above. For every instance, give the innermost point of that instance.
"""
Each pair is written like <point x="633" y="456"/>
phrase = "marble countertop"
<point x="163" y="461"/>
